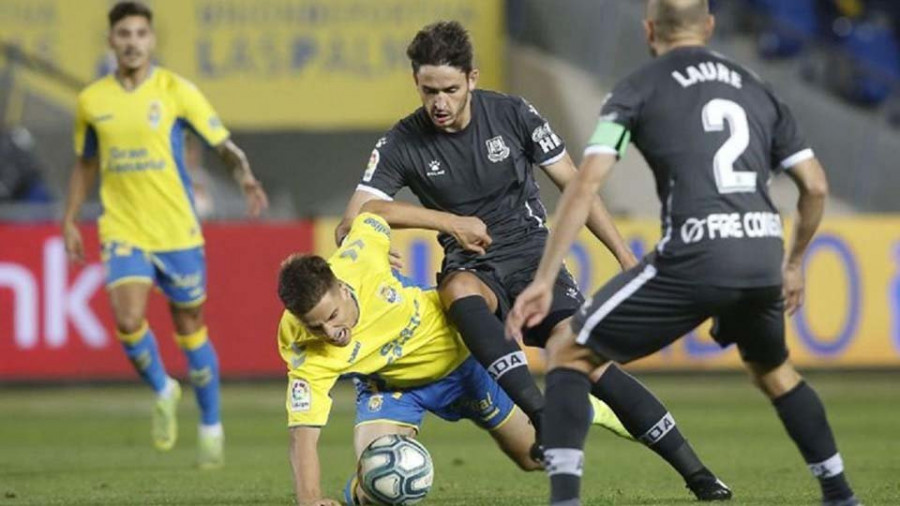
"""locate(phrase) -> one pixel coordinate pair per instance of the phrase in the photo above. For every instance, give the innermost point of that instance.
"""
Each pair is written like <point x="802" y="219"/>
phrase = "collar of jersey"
<point x="140" y="85"/>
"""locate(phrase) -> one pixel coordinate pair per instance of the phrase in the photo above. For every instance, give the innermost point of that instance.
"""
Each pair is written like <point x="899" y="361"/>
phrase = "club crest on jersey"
<point x="434" y="169"/>
<point x="389" y="294"/>
<point x="154" y="114"/>
<point x="497" y="150"/>
<point x="301" y="397"/>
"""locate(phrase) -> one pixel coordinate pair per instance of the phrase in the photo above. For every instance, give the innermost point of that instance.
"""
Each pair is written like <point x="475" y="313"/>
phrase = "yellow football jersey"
<point x="138" y="136"/>
<point x="402" y="337"/>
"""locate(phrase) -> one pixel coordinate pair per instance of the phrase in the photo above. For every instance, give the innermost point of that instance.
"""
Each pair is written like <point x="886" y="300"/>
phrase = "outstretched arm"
<point x="236" y="161"/>
<point x="470" y="232"/>
<point x="812" y="183"/>
<point x="600" y="223"/>
<point x="304" y="457"/>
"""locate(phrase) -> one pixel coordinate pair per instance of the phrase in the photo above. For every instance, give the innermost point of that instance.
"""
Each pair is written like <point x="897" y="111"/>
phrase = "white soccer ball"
<point x="395" y="470"/>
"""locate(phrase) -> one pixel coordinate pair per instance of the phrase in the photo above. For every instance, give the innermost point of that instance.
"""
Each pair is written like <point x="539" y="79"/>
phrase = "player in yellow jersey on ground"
<point x="129" y="128"/>
<point x="352" y="315"/>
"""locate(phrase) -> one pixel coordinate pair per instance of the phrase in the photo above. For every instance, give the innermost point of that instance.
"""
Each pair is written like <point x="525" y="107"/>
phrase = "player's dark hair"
<point x="303" y="281"/>
<point x="441" y="43"/>
<point x="122" y="10"/>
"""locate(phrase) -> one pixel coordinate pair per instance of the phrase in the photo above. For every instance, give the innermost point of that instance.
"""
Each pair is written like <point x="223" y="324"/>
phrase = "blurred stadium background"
<point x="308" y="86"/>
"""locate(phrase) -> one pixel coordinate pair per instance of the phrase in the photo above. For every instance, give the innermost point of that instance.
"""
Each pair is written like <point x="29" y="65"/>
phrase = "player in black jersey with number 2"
<point x="713" y="134"/>
<point x="468" y="155"/>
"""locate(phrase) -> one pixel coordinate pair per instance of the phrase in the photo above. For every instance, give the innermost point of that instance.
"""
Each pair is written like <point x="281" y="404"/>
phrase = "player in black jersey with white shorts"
<point x="713" y="134"/>
<point x="468" y="155"/>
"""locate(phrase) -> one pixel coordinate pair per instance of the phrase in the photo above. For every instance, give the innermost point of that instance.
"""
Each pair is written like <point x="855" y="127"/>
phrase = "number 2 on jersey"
<point x="715" y="114"/>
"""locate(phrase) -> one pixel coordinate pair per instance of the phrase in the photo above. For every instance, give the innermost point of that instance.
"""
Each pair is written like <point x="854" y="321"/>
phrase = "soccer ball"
<point x="395" y="470"/>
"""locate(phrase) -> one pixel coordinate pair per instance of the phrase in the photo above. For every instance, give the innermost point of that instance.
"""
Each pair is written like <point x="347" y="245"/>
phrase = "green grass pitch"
<point x="90" y="446"/>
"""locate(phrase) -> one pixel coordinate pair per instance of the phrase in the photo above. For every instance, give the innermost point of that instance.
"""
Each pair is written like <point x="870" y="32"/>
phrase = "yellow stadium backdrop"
<point x="851" y="318"/>
<point x="267" y="64"/>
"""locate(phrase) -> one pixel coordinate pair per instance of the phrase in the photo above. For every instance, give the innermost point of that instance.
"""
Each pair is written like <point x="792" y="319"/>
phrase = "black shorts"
<point x="507" y="278"/>
<point x="642" y="310"/>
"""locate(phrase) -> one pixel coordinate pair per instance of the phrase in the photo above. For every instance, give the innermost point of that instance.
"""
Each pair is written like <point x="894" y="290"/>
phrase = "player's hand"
<point x="530" y="309"/>
<point x="254" y="196"/>
<point x="395" y="259"/>
<point x="471" y="233"/>
<point x="793" y="287"/>
<point x="341" y="231"/>
<point x="74" y="244"/>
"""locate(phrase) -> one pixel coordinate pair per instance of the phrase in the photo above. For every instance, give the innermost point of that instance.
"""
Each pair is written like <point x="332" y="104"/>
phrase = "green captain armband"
<point x="611" y="135"/>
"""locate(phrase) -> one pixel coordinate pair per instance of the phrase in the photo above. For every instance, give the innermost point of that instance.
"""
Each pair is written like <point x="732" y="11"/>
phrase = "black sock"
<point x="803" y="415"/>
<point x="648" y="420"/>
<point x="504" y="360"/>
<point x="567" y="419"/>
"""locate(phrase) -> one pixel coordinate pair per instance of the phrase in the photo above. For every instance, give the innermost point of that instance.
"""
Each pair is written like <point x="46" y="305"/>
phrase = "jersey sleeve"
<point x="199" y="113"/>
<point x="366" y="246"/>
<point x="789" y="146"/>
<point x="309" y="382"/>
<point x="85" y="137"/>
<point x="618" y="117"/>
<point x="385" y="174"/>
<point x="542" y="145"/>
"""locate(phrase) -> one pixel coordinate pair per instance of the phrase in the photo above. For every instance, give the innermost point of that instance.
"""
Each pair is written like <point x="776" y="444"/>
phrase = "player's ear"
<point x="649" y="31"/>
<point x="709" y="27"/>
<point x="473" y="79"/>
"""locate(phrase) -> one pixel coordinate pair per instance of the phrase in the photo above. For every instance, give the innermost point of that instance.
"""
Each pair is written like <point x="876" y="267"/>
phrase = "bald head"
<point x="679" y="19"/>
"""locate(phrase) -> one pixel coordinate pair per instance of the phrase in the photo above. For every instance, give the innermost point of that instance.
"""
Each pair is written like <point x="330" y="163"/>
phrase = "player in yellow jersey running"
<point x="352" y="315"/>
<point x="129" y="128"/>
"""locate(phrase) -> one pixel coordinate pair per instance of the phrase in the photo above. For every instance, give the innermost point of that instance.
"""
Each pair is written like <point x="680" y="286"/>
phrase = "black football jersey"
<point x="713" y="134"/>
<point x="484" y="170"/>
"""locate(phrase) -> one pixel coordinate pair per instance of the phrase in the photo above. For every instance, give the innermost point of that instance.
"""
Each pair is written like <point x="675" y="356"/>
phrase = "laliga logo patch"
<point x="374" y="158"/>
<point x="154" y="114"/>
<point x="389" y="294"/>
<point x="375" y="403"/>
<point x="497" y="149"/>
<point x="301" y="398"/>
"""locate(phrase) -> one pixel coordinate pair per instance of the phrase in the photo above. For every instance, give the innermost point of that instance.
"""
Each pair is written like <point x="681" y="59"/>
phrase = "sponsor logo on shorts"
<point x="753" y="225"/>
<point x="301" y="396"/>
<point x="484" y="409"/>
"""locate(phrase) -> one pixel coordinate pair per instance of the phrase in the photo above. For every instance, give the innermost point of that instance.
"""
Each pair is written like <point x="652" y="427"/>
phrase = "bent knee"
<point x="774" y="382"/>
<point x="463" y="284"/>
<point x="129" y="322"/>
